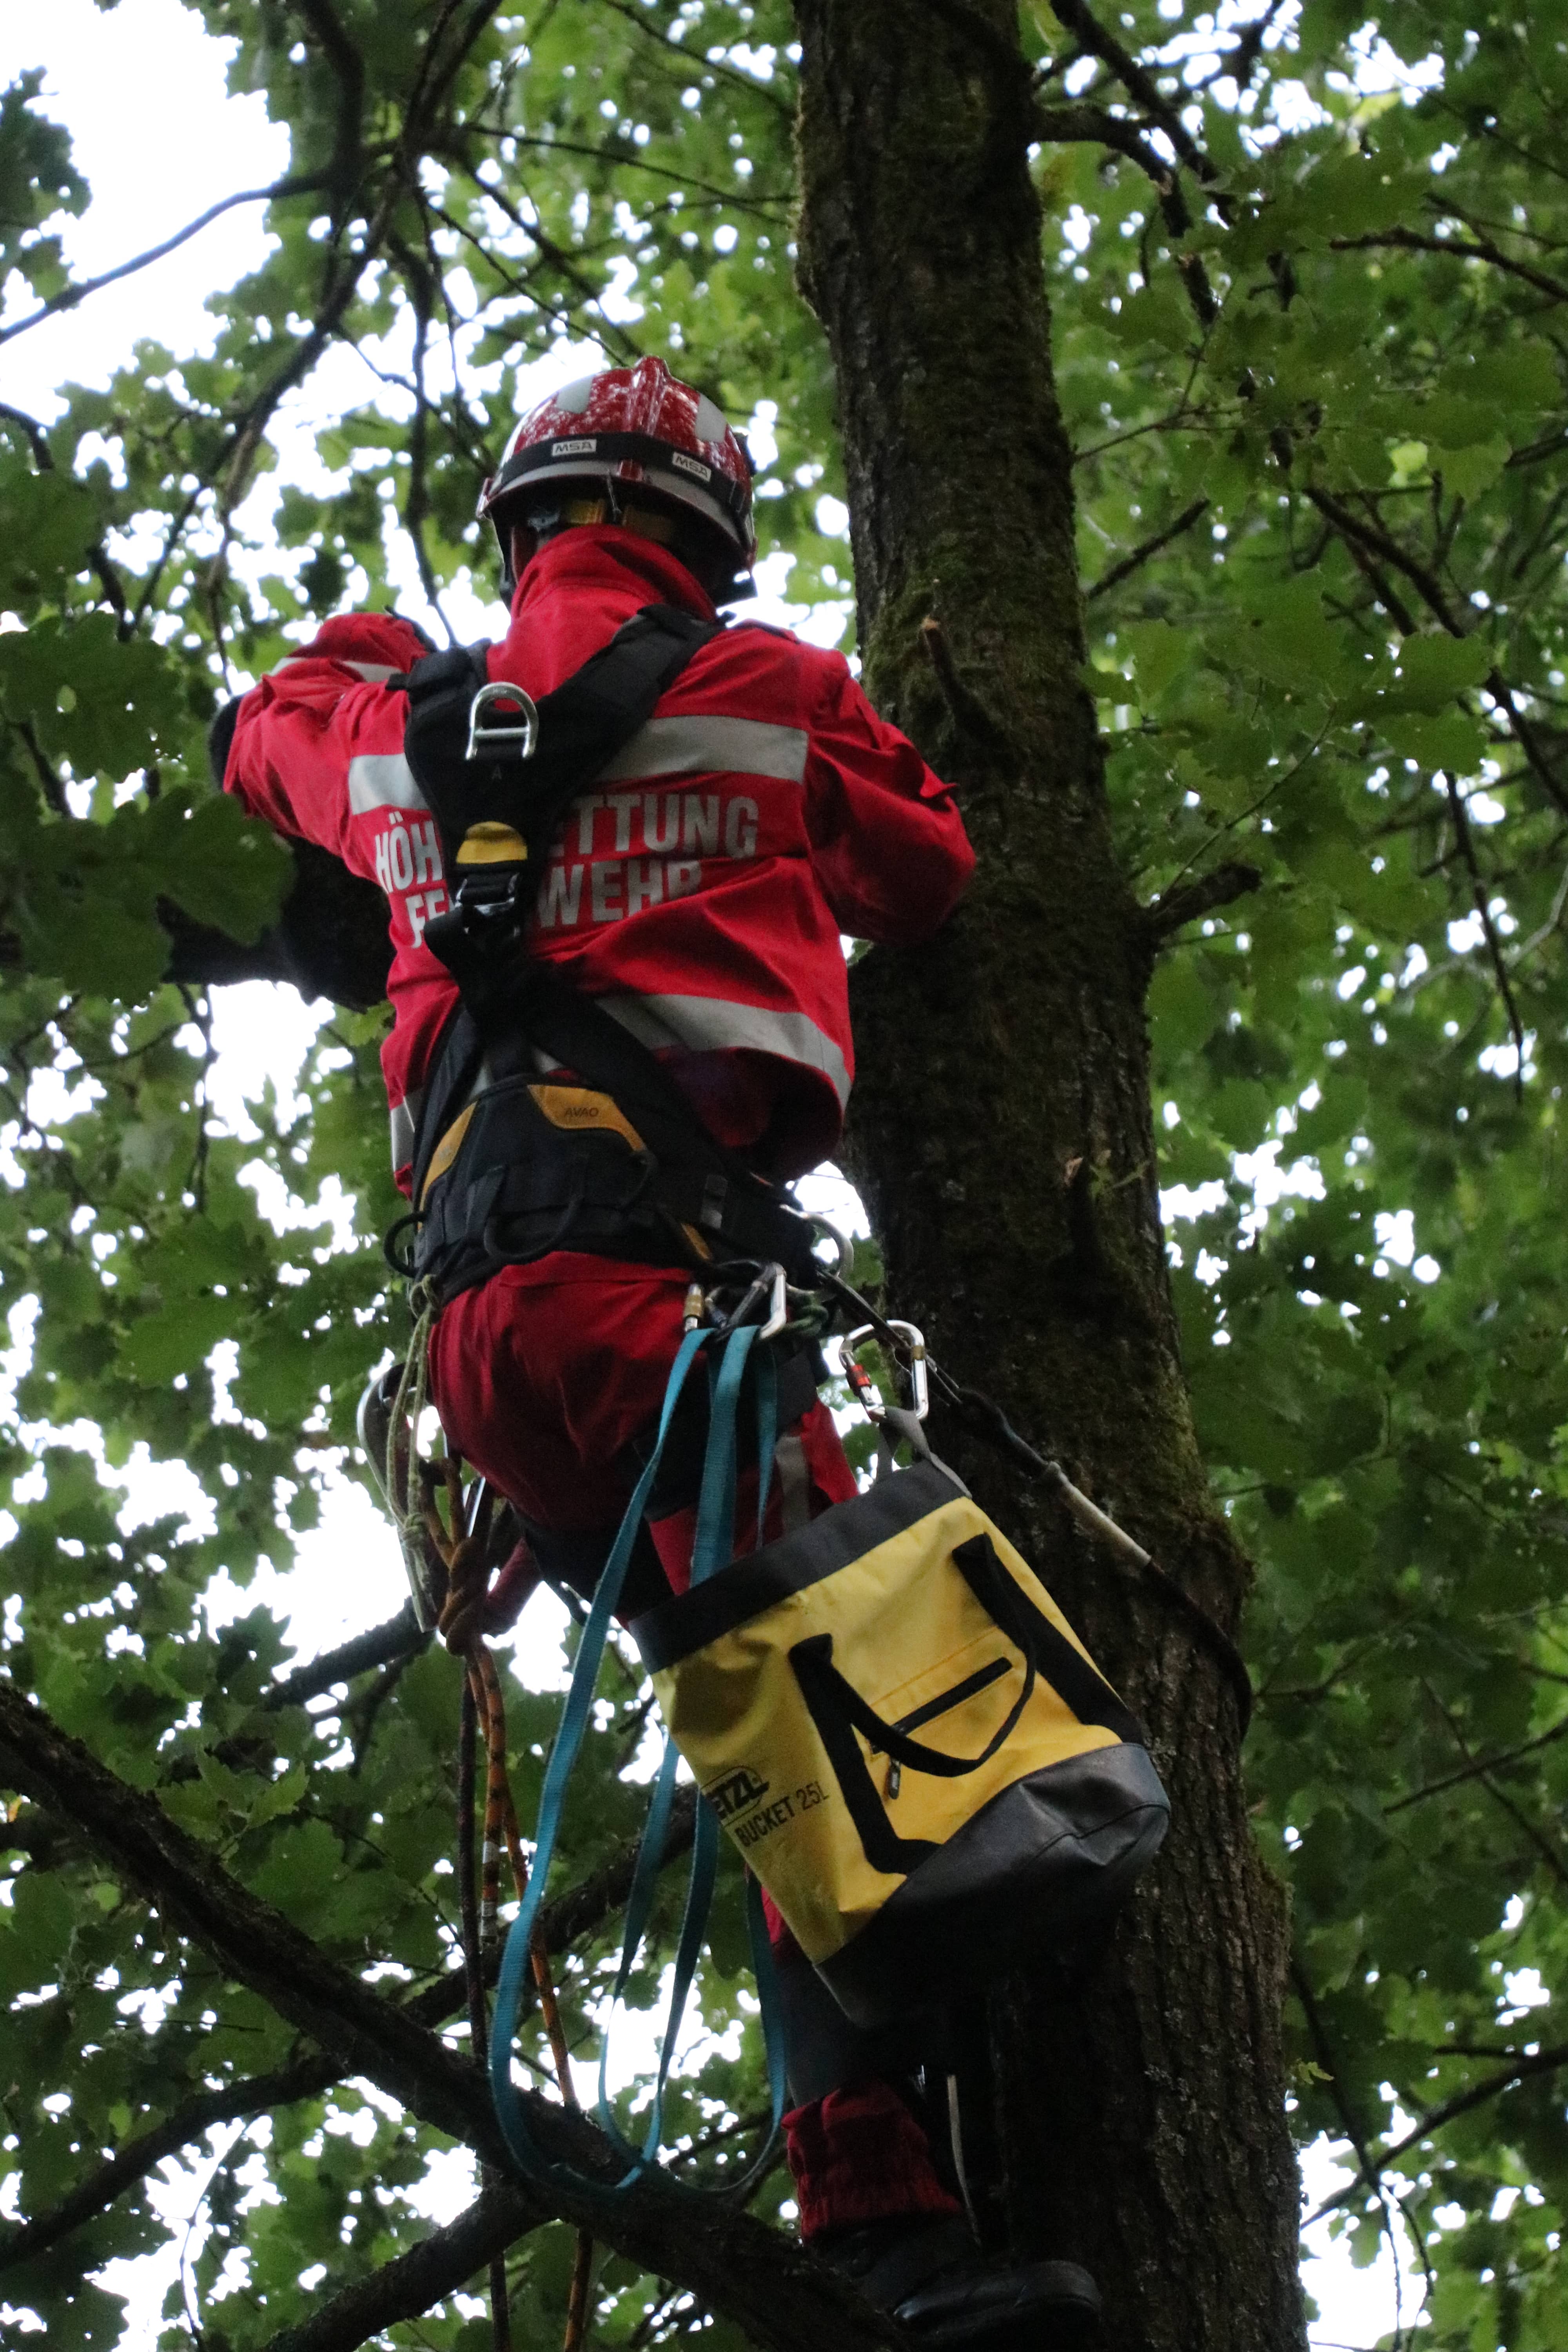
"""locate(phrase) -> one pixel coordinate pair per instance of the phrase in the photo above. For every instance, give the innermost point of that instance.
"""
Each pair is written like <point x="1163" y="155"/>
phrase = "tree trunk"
<point x="1002" y="1135"/>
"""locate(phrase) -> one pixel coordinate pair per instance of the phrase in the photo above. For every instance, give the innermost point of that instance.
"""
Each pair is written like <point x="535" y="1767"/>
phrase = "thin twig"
<point x="1541" y="2061"/>
<point x="1482" y="900"/>
<point x="1145" y="548"/>
<point x="1477" y="1771"/>
<point x="1476" y="250"/>
<point x="70" y="296"/>
<point x="1370" y="2173"/>
<point x="697" y="67"/>
<point x="1538" y="1837"/>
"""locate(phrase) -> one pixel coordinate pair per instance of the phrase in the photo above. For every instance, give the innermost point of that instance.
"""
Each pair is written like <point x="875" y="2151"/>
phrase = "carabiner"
<point x="771" y="1284"/>
<point x="913" y="1358"/>
<point x="778" y="1303"/>
<point x="489" y="740"/>
<point x="828" y="1232"/>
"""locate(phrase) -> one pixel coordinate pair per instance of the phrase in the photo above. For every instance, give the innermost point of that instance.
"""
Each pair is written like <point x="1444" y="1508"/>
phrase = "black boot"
<point x="933" y="2278"/>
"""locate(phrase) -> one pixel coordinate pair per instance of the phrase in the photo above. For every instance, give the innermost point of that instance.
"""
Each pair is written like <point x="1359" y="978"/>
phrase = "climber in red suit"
<point x="698" y="890"/>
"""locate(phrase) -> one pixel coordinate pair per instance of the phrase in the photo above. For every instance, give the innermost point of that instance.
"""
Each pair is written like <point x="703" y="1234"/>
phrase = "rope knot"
<point x="461" y="1624"/>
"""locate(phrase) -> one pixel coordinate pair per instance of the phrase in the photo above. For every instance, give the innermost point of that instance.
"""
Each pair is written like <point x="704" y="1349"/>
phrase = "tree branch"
<point x="1410" y="240"/>
<point x="1370" y="2172"/>
<point x="1549" y="1852"/>
<point x="618" y="157"/>
<point x="348" y="68"/>
<point x="1144" y="550"/>
<point x="1185" y="902"/>
<point x="398" y="1638"/>
<point x="1138" y="83"/>
<point x="50" y="783"/>
<point x="697" y="66"/>
<point x="1477" y="1771"/>
<point x="1241" y="62"/>
<point x="1542" y="2062"/>
<point x="735" y="2265"/>
<point x="1480" y="899"/>
<point x="410" y="2283"/>
<point x="43" y="458"/>
<point x="969" y="712"/>
<point x="772" y="2290"/>
<point x="1352" y="528"/>
<point x="255" y="2095"/>
<point x="1091" y="126"/>
<point x="416" y="504"/>
<point x="70" y="296"/>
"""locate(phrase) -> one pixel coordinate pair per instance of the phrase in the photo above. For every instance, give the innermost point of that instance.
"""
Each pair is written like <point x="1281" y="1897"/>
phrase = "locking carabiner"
<point x="912" y="1358"/>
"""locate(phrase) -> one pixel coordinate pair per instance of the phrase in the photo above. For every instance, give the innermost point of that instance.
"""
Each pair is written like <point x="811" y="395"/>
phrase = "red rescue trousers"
<point x="544" y="1377"/>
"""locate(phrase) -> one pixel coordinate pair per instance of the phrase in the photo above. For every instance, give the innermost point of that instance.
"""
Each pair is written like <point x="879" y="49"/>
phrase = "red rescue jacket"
<point x="698" y="890"/>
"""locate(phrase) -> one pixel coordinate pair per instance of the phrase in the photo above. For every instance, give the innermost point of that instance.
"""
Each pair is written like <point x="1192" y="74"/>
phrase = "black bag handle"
<point x="821" y="1681"/>
<point x="1070" y="1674"/>
<point x="838" y="1711"/>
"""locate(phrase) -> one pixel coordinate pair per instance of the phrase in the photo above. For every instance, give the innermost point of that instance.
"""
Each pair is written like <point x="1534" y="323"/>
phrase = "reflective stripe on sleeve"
<point x="707" y="1024"/>
<point x="372" y="672"/>
<point x="704" y="745"/>
<point x="382" y="780"/>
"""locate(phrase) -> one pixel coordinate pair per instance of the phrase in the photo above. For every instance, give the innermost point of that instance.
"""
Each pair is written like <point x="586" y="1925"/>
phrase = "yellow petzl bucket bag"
<point x="909" y="1744"/>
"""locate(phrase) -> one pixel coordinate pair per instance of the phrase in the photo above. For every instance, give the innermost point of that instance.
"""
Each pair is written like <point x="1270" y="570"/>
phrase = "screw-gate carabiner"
<point x="485" y="740"/>
<point x="914" y="1362"/>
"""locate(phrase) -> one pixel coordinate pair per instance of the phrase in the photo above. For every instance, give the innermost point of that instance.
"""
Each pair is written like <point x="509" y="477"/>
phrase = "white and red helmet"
<point x="629" y="428"/>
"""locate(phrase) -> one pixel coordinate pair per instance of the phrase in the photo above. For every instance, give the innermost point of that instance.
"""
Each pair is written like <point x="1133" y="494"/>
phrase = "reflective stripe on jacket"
<point x="699" y="888"/>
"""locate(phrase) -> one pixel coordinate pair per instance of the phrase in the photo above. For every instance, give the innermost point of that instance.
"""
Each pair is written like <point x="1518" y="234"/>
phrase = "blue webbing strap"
<point x="714" y="1543"/>
<point x="515" y="1958"/>
<point x="767" y="1436"/>
<point x="712" y="1549"/>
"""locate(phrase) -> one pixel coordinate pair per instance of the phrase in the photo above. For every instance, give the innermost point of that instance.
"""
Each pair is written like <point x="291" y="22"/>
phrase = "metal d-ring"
<point x="489" y="740"/>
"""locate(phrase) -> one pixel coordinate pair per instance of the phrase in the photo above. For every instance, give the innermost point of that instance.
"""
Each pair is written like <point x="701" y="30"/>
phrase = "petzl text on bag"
<point x="805" y="1686"/>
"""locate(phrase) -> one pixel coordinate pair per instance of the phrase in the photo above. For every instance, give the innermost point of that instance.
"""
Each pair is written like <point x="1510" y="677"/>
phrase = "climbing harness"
<point x="544" y="1123"/>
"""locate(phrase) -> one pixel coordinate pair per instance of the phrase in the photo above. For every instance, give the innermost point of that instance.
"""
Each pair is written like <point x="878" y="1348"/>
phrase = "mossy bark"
<point x="1001" y="1133"/>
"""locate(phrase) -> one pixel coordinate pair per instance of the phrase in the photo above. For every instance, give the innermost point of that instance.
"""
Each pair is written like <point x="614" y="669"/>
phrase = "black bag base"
<point x="1039" y="1870"/>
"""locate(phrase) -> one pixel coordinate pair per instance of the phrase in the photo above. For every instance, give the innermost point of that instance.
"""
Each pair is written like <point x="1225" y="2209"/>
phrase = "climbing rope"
<point x="478" y="2019"/>
<point x="467" y="1613"/>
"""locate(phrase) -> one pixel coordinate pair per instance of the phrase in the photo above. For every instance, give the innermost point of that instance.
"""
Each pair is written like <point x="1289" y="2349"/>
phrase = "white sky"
<point x="117" y="79"/>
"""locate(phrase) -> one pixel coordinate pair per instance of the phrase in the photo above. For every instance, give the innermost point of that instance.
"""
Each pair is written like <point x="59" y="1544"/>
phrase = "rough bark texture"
<point x="1002" y="1135"/>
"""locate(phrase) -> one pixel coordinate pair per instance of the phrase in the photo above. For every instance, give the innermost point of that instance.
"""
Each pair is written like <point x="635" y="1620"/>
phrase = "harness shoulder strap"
<point x="580" y="727"/>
